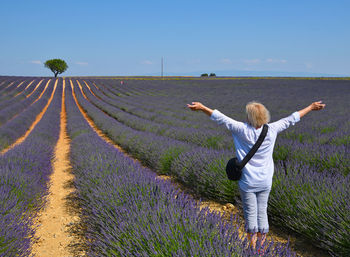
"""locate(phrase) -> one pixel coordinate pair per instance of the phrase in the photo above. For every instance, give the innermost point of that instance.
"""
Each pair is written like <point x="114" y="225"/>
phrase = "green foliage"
<point x="168" y="156"/>
<point x="281" y="152"/>
<point x="57" y="66"/>
<point x="212" y="75"/>
<point x="326" y="130"/>
<point x="214" y="142"/>
<point x="204" y="75"/>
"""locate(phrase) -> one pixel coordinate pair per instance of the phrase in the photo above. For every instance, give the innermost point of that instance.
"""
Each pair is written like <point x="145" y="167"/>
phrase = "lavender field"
<point x="126" y="210"/>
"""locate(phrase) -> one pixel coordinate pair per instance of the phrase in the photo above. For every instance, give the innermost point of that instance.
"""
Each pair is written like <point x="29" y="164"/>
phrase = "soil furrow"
<point x="37" y="119"/>
<point x="91" y="123"/>
<point x="54" y="233"/>
<point x="34" y="89"/>
<point x="31" y="103"/>
<point x="8" y="85"/>
<point x="24" y="88"/>
<point x="91" y="90"/>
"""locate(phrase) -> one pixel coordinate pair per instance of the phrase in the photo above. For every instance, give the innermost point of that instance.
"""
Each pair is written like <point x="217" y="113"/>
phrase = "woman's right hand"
<point x="315" y="106"/>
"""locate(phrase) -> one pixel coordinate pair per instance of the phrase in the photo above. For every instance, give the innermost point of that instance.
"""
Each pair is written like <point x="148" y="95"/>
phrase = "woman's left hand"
<point x="195" y="106"/>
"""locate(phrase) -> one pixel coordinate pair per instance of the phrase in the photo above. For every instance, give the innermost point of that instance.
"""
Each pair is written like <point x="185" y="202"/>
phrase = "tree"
<point x="212" y="75"/>
<point x="57" y="66"/>
<point x="204" y="75"/>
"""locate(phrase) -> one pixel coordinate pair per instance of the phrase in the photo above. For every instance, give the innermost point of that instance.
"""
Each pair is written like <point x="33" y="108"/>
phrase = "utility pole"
<point x="162" y="68"/>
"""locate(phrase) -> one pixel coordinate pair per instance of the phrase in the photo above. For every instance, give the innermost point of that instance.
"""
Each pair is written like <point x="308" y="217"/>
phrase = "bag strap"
<point x="255" y="147"/>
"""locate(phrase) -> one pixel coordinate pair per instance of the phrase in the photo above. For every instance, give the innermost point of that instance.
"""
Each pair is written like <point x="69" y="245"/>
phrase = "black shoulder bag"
<point x="234" y="167"/>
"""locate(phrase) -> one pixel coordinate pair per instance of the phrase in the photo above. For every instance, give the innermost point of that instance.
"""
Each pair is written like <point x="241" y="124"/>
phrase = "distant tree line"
<point x="210" y="75"/>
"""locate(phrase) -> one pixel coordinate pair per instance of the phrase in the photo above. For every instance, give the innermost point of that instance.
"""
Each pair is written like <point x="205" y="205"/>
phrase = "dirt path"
<point x="31" y="103"/>
<point x="91" y="90"/>
<point x="17" y="86"/>
<point x="55" y="220"/>
<point x="47" y="84"/>
<point x="9" y="85"/>
<point x="36" y="121"/>
<point x="24" y="88"/>
<point x="96" y="86"/>
<point x="35" y="88"/>
<point x="299" y="245"/>
<point x="9" y="92"/>
<point x="91" y="123"/>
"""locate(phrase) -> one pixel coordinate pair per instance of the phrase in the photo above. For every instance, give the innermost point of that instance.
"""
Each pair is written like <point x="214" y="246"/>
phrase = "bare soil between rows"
<point x="55" y="224"/>
<point x="36" y="121"/>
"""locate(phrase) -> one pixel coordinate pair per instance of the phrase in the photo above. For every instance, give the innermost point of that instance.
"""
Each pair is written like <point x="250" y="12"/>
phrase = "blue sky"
<point x="130" y="37"/>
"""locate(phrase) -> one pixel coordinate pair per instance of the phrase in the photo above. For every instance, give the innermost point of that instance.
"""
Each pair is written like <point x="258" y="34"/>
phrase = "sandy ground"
<point x="91" y="123"/>
<point x="36" y="121"/>
<point x="24" y="88"/>
<point x="96" y="86"/>
<point x="55" y="221"/>
<point x="299" y="245"/>
<point x="9" y="85"/>
<point x="32" y="102"/>
<point x="91" y="90"/>
<point x="36" y="88"/>
<point x="18" y="86"/>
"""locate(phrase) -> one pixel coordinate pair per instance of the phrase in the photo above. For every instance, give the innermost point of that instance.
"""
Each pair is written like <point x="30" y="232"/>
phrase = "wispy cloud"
<point x="252" y="61"/>
<point x="147" y="62"/>
<point x="270" y="60"/>
<point x="226" y="61"/>
<point x="36" y="62"/>
<point x="82" y="63"/>
<point x="262" y="61"/>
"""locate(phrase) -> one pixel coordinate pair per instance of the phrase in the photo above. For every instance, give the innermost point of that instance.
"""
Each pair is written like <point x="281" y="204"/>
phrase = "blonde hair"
<point x="257" y="114"/>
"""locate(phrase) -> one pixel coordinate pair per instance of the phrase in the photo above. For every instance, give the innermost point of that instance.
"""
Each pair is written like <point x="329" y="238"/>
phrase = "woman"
<point x="255" y="183"/>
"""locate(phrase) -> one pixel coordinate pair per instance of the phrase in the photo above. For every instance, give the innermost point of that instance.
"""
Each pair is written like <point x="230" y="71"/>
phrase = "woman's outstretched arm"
<point x="315" y="106"/>
<point x="197" y="106"/>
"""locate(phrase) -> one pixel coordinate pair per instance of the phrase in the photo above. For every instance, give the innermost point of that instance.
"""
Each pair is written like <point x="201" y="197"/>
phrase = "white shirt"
<point x="258" y="172"/>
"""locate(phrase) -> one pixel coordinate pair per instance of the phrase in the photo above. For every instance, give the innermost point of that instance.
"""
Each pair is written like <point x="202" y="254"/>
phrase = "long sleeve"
<point x="231" y="124"/>
<point x="284" y="123"/>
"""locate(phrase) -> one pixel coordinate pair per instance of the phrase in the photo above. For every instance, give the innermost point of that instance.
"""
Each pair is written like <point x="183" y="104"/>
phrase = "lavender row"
<point x="149" y="107"/>
<point x="21" y="95"/>
<point x="16" y="88"/>
<point x="216" y="139"/>
<point x="13" y="90"/>
<point x="141" y="144"/>
<point x="17" y="104"/>
<point x="326" y="156"/>
<point x="24" y="174"/>
<point x="275" y="96"/>
<point x="8" y="87"/>
<point x="329" y="152"/>
<point x="231" y="96"/>
<point x="313" y="204"/>
<point x="327" y="128"/>
<point x="127" y="211"/>
<point x="158" y="152"/>
<point x="321" y="128"/>
<point x="17" y="127"/>
<point x="143" y="108"/>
